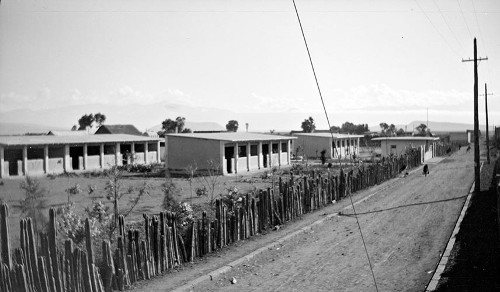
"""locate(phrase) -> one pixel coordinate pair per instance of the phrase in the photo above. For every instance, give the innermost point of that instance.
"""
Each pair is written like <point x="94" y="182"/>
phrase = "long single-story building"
<point x="398" y="145"/>
<point x="336" y="145"/>
<point x="233" y="152"/>
<point x="23" y="155"/>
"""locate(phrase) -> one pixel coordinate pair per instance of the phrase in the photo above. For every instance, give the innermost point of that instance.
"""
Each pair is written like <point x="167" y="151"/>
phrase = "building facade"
<point x="32" y="155"/>
<point x="336" y="145"/>
<point x="231" y="152"/>
<point x="398" y="145"/>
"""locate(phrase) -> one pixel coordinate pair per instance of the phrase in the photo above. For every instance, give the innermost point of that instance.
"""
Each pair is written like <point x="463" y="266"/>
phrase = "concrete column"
<point x="158" y="156"/>
<point x="46" y="158"/>
<point x="259" y="155"/>
<point x="132" y="151"/>
<point x="146" y="153"/>
<point x="2" y="162"/>
<point x="288" y="152"/>
<point x="279" y="153"/>
<point x="270" y="160"/>
<point x="248" y="156"/>
<point x="25" y="160"/>
<point x="236" y="158"/>
<point x="223" y="164"/>
<point x="66" y="159"/>
<point x="85" y="163"/>
<point x="101" y="155"/>
<point x="118" y="156"/>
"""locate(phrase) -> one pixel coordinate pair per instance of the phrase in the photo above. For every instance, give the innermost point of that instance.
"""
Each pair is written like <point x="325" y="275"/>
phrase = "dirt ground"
<point x="406" y="226"/>
<point x="56" y="196"/>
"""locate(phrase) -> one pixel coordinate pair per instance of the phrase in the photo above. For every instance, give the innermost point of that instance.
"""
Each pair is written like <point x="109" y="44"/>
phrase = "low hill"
<point x="24" y="128"/>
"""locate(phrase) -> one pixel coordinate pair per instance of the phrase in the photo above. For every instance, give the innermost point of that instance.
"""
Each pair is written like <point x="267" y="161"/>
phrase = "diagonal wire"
<point x="447" y="24"/>
<point x="437" y="30"/>
<point x="326" y="114"/>
<point x="465" y="20"/>
<point x="480" y="33"/>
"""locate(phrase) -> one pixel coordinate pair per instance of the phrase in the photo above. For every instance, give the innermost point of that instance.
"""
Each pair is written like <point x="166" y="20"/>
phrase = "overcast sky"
<point x="376" y="61"/>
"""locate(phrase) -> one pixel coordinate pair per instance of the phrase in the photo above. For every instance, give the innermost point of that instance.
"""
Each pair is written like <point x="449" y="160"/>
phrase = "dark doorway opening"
<point x="75" y="153"/>
<point x="229" y="154"/>
<point x="126" y="150"/>
<point x="265" y="152"/>
<point x="13" y="156"/>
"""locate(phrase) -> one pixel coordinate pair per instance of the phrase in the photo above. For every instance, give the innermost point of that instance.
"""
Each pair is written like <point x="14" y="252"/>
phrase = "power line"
<point x="463" y="16"/>
<point x="449" y="27"/>
<point x="330" y="128"/>
<point x="435" y="28"/>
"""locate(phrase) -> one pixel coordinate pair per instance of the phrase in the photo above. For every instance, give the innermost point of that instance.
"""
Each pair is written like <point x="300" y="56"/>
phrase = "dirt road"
<point x="406" y="226"/>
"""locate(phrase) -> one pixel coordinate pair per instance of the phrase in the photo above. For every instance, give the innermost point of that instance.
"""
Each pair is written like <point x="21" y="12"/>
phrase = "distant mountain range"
<point x="24" y="128"/>
<point x="443" y="126"/>
<point x="149" y="117"/>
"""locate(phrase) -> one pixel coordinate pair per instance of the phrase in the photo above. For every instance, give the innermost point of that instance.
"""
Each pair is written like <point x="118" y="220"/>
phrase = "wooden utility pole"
<point x="487" y="126"/>
<point x="477" y="174"/>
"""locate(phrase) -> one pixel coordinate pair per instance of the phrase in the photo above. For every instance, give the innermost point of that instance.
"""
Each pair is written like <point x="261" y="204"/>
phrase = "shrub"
<point x="33" y="204"/>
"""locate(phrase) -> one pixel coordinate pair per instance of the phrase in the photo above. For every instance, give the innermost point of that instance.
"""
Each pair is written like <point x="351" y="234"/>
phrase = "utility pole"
<point x="487" y="126"/>
<point x="477" y="174"/>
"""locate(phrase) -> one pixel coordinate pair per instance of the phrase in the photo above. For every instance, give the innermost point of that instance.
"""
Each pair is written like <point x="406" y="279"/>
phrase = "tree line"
<point x="386" y="130"/>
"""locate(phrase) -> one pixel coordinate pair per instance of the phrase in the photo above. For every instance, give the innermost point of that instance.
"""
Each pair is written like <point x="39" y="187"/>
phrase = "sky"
<point x="211" y="61"/>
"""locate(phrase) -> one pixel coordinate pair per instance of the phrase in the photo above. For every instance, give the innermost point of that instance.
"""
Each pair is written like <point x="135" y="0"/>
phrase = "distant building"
<point x="118" y="129"/>
<point x="33" y="155"/>
<point x="398" y="145"/>
<point x="68" y="133"/>
<point x="336" y="145"/>
<point x="234" y="152"/>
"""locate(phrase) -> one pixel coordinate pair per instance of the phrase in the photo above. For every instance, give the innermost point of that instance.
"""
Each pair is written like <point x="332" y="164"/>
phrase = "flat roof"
<point x="412" y="138"/>
<point x="233" y="136"/>
<point x="61" y="140"/>
<point x="328" y="135"/>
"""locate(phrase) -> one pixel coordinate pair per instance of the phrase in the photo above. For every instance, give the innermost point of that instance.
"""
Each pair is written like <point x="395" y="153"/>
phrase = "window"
<point x="393" y="149"/>
<point x="284" y="147"/>
<point x="242" y="151"/>
<point x="275" y="147"/>
<point x="343" y="143"/>
<point x="253" y="150"/>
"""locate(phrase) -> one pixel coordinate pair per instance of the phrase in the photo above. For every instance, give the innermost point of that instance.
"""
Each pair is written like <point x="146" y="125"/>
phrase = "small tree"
<point x="308" y="125"/>
<point x="190" y="170"/>
<point x="232" y="126"/>
<point x="86" y="121"/>
<point x="99" y="119"/>
<point x="210" y="181"/>
<point x="33" y="205"/>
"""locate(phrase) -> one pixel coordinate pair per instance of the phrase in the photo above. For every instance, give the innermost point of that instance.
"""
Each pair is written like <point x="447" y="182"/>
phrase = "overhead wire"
<point x="480" y="35"/>
<point x="331" y="133"/>
<point x="437" y="30"/>
<point x="448" y="25"/>
<point x="465" y="20"/>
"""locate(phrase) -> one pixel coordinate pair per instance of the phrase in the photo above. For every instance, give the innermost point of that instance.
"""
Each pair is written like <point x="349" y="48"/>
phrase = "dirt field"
<point x="406" y="226"/>
<point x="56" y="195"/>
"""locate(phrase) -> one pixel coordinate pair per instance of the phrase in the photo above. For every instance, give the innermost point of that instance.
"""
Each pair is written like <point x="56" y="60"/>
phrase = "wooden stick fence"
<point x="44" y="267"/>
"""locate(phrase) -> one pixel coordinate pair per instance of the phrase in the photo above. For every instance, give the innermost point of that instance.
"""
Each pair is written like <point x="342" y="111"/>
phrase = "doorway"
<point x="229" y="155"/>
<point x="265" y="152"/>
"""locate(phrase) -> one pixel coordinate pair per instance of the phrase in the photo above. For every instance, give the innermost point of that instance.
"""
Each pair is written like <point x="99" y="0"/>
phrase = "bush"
<point x="34" y="203"/>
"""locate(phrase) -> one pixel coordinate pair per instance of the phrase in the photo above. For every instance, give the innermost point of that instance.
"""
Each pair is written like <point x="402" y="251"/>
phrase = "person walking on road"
<point x="426" y="169"/>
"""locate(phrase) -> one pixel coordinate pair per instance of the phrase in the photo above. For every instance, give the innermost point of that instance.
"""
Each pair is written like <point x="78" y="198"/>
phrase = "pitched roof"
<point x="233" y="136"/>
<point x="118" y="129"/>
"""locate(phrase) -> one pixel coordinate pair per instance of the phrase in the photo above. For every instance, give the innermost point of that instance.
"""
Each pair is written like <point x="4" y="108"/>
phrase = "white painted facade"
<point x="35" y="155"/>
<point x="233" y="152"/>
<point x="336" y="145"/>
<point x="398" y="145"/>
